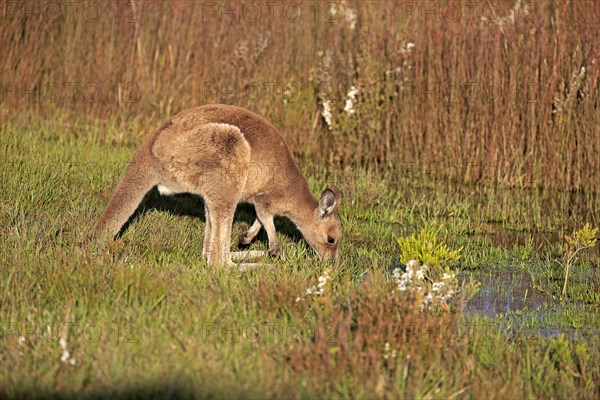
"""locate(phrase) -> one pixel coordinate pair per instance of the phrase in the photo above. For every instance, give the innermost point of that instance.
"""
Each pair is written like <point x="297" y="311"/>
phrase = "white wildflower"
<point x="400" y="71"/>
<point x="333" y="9"/>
<point x="421" y="272"/>
<point x="289" y="93"/>
<point x="438" y="286"/>
<point x="319" y="289"/>
<point x="442" y="291"/>
<point x="412" y="279"/>
<point x="519" y="10"/>
<point x="402" y="279"/>
<point x="66" y="355"/>
<point x="326" y="113"/>
<point x="351" y="17"/>
<point x="447" y="277"/>
<point x="429" y="298"/>
<point x="21" y="340"/>
<point x="388" y="352"/>
<point x="349" y="14"/>
<point x="349" y="107"/>
<point x="406" y="50"/>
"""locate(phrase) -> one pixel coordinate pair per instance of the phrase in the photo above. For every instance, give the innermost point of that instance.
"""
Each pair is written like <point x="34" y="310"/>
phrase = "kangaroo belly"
<point x="165" y="191"/>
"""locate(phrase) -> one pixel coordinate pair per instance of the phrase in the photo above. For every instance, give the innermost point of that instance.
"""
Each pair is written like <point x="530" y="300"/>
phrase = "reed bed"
<point x="502" y="93"/>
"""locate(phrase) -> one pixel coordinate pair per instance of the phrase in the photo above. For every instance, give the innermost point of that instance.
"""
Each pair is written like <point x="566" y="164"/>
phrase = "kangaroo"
<point x="227" y="155"/>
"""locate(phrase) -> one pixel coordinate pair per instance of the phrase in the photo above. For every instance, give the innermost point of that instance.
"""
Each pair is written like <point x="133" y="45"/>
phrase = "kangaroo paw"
<point x="244" y="241"/>
<point x="274" y="252"/>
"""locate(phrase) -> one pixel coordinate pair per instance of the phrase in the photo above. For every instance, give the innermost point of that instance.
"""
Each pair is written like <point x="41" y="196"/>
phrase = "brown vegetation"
<point x="501" y="92"/>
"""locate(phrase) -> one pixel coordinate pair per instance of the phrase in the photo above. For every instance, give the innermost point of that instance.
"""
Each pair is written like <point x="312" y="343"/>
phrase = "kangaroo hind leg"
<point x="217" y="238"/>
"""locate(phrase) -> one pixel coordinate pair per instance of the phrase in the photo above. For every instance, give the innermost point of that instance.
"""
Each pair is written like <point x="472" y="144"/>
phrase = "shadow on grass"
<point x="191" y="205"/>
<point x="157" y="391"/>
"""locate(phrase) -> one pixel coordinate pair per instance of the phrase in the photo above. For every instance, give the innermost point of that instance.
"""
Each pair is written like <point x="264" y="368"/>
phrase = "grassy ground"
<point x="145" y="317"/>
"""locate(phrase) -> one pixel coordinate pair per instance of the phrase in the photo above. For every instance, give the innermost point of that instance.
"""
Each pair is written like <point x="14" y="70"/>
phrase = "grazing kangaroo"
<point x="227" y="155"/>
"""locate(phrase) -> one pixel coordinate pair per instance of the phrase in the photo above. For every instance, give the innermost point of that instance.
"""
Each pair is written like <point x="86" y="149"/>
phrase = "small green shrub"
<point x="428" y="277"/>
<point x="579" y="240"/>
<point x="425" y="248"/>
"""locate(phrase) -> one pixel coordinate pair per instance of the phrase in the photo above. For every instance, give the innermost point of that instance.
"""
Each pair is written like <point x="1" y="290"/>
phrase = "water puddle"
<point x="505" y="291"/>
<point x="509" y="298"/>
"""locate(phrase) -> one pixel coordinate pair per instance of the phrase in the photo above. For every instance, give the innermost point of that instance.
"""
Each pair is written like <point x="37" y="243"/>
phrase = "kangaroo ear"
<point x="329" y="202"/>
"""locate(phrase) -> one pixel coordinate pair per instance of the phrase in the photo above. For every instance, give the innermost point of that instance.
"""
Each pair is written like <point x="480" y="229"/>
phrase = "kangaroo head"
<point x="325" y="233"/>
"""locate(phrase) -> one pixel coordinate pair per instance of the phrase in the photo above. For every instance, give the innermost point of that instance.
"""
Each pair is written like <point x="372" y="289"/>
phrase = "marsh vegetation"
<point x="467" y="144"/>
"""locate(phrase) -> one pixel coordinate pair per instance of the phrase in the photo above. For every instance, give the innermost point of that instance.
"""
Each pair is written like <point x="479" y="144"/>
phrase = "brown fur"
<point x="227" y="155"/>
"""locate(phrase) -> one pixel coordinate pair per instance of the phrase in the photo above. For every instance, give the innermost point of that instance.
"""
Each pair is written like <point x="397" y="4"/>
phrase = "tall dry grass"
<point x="501" y="92"/>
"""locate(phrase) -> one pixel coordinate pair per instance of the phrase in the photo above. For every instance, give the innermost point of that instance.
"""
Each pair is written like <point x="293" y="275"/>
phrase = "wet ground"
<point x="505" y="291"/>
<point x="510" y="296"/>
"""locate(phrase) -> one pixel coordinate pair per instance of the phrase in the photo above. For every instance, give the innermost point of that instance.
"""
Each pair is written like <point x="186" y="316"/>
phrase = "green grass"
<point x="145" y="316"/>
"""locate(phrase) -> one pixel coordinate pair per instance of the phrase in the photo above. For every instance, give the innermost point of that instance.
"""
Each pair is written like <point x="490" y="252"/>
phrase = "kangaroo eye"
<point x="330" y="240"/>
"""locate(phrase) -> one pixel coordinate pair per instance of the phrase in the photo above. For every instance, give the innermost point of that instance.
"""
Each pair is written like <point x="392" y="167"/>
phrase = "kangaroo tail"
<point x="139" y="178"/>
